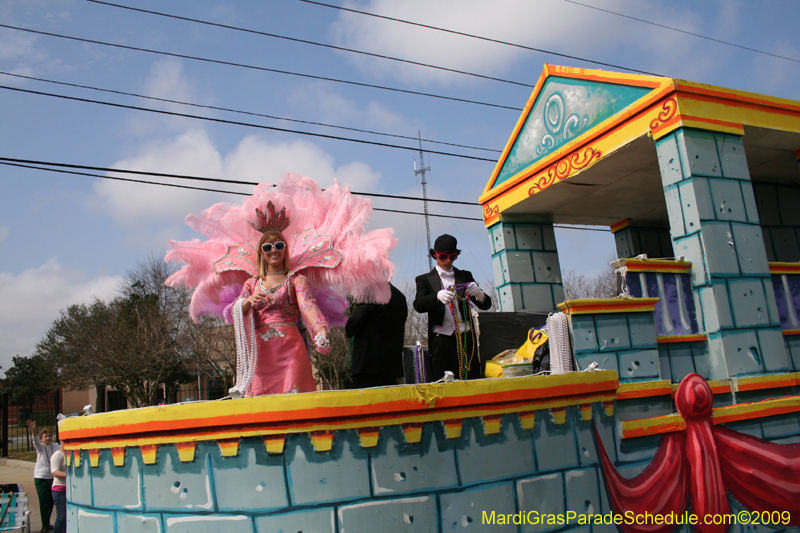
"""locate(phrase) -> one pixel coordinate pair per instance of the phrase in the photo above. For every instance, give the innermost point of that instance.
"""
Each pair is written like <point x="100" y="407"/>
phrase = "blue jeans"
<point x="60" y="501"/>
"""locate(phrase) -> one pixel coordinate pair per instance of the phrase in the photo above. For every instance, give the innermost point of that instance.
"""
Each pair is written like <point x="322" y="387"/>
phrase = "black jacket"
<point x="429" y="285"/>
<point x="379" y="331"/>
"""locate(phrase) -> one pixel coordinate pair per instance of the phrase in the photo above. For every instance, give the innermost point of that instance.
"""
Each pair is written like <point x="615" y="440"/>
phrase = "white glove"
<point x="474" y="290"/>
<point x="445" y="296"/>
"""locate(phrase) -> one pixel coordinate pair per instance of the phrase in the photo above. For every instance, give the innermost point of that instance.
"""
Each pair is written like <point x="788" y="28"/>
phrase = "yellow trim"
<point x="412" y="433"/>
<point x="527" y="420"/>
<point x="186" y="451"/>
<point x="368" y="437"/>
<point x="787" y="332"/>
<point x="642" y="389"/>
<point x="770" y="381"/>
<point x="748" y="411"/>
<point x="274" y="443"/>
<point x="652" y="426"/>
<point x="619" y="226"/>
<point x="608" y="305"/>
<point x="452" y="428"/>
<point x="559" y="416"/>
<point x="668" y="339"/>
<point x="491" y="424"/>
<point x="721" y="415"/>
<point x="322" y="440"/>
<point x="655" y="265"/>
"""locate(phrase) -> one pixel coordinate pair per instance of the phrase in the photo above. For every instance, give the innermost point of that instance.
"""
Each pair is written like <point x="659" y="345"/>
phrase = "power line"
<point x="243" y="112"/>
<point x="263" y="69"/>
<point x="305" y="41"/>
<point x="26" y="163"/>
<point x="472" y="36"/>
<point x="117" y="178"/>
<point x="237" y="123"/>
<point x="206" y="179"/>
<point x="683" y="31"/>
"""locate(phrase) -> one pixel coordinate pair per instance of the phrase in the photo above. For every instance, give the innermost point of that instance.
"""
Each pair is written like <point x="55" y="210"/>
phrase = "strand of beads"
<point x="464" y="362"/>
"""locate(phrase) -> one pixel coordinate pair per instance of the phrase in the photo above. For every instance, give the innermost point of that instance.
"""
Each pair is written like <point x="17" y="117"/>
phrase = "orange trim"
<point x="788" y="332"/>
<point x="784" y="268"/>
<point x="644" y="389"/>
<point x="667" y="339"/>
<point x="721" y="415"/>
<point x="745" y="103"/>
<point x="772" y="381"/>
<point x="752" y="99"/>
<point x="723" y="124"/>
<point x="621" y="225"/>
<point x="608" y="305"/>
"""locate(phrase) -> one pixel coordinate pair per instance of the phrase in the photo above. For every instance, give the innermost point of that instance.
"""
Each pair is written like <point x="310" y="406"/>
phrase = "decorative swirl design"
<point x="560" y="125"/>
<point x="668" y="109"/>
<point x="564" y="167"/>
<point x="490" y="211"/>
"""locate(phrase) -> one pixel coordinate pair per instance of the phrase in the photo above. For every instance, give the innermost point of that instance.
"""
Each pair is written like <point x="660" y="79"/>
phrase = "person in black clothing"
<point x="434" y="294"/>
<point x="379" y="331"/>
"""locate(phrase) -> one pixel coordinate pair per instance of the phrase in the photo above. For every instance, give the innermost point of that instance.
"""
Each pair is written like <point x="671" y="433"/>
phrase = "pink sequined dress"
<point x="281" y="362"/>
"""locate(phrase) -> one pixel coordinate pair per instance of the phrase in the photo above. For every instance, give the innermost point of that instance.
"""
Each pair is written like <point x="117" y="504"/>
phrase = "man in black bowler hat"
<point x="434" y="295"/>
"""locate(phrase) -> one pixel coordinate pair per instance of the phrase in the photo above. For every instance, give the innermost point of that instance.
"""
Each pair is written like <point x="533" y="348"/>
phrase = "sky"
<point x="65" y="239"/>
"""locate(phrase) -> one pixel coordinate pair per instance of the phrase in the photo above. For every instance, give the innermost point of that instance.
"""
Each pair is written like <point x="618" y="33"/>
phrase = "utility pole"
<point x="417" y="172"/>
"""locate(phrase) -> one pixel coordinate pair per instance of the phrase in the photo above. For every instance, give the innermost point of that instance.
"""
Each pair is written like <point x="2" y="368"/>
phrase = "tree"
<point x="604" y="285"/>
<point x="28" y="378"/>
<point x="138" y="343"/>
<point x="332" y="371"/>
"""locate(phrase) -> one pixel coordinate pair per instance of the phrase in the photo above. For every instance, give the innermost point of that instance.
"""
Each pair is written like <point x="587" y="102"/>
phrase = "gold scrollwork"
<point x="668" y="109"/>
<point x="564" y="167"/>
<point x="489" y="211"/>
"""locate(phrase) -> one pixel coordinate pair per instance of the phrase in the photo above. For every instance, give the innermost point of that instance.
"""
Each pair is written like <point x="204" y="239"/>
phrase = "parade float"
<point x="685" y="394"/>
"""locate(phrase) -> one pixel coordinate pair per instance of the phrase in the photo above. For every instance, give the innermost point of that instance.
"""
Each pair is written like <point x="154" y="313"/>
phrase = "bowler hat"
<point x="445" y="243"/>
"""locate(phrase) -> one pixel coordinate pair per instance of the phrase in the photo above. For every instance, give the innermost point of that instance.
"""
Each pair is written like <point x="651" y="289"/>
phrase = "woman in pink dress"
<point x="277" y="301"/>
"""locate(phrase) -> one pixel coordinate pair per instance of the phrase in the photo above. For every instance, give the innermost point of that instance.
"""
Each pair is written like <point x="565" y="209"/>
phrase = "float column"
<point x="714" y="224"/>
<point x="527" y="272"/>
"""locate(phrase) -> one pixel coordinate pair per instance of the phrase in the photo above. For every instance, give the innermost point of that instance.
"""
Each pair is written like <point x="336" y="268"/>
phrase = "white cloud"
<point x="193" y="153"/>
<point x="318" y="100"/>
<point x="31" y="300"/>
<point x="529" y="23"/>
<point x="166" y="80"/>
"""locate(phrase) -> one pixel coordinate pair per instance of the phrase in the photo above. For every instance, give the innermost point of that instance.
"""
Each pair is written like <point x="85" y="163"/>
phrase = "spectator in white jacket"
<point x="42" y="478"/>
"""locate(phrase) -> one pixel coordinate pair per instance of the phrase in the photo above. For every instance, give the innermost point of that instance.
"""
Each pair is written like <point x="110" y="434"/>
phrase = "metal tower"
<point x="417" y="172"/>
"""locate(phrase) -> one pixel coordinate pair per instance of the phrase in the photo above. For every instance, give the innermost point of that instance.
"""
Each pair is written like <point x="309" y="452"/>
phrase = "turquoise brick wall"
<point x="527" y="272"/>
<point x="625" y="342"/>
<point x="679" y="359"/>
<point x="436" y="485"/>
<point x="633" y="241"/>
<point x="715" y="224"/>
<point x="780" y="220"/>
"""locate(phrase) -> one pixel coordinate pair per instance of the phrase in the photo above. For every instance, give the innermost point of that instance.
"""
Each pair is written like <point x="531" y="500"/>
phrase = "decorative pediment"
<point x="563" y="109"/>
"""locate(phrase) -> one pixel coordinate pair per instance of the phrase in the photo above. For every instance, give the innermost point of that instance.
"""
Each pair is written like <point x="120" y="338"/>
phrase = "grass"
<point x="24" y="456"/>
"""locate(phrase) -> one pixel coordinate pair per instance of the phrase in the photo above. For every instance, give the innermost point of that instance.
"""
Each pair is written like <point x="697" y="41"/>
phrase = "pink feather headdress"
<point x="327" y="240"/>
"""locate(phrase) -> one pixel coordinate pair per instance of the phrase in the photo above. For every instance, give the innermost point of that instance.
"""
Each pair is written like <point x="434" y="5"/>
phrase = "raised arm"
<point x="37" y="443"/>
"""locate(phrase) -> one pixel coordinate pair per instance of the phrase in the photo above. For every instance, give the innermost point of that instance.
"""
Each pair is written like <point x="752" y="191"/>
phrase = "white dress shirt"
<point x="448" y="326"/>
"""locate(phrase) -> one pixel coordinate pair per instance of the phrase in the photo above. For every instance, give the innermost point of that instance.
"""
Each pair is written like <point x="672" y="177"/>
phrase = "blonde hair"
<point x="271" y="236"/>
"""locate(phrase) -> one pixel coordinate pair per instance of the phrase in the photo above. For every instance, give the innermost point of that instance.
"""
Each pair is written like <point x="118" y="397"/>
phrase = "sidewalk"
<point x="12" y="471"/>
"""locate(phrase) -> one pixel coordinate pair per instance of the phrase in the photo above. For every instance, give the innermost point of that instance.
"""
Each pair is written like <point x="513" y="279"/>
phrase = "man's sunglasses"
<point x="268" y="246"/>
<point x="444" y="257"/>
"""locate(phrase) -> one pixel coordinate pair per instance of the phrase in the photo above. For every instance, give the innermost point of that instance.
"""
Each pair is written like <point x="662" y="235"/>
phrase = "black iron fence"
<point x="15" y="437"/>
